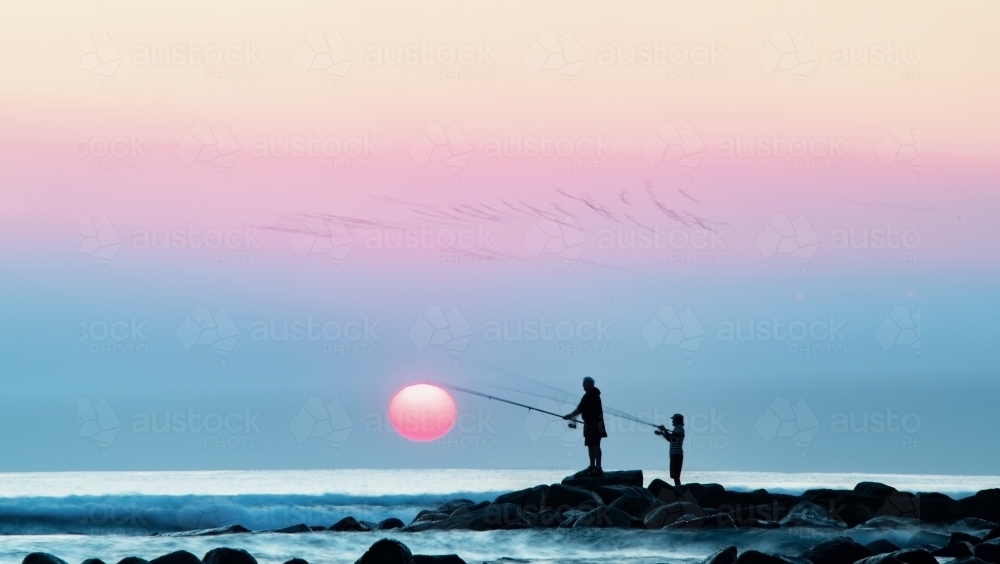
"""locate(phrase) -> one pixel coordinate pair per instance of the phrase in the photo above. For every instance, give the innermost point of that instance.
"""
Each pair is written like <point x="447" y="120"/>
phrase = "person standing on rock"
<point x="676" y="440"/>
<point x="592" y="412"/>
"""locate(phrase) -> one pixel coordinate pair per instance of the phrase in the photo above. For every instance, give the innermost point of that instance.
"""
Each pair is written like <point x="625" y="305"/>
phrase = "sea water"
<point x="110" y="515"/>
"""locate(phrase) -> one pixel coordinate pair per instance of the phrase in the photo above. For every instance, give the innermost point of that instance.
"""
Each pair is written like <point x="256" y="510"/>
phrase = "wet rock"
<point x="808" y="514"/>
<point x="914" y="556"/>
<point x="437" y="559"/>
<point x="530" y="499"/>
<point x="957" y="549"/>
<point x="665" y="515"/>
<point x="349" y="524"/>
<point x="888" y="523"/>
<point x="561" y="497"/>
<point x="921" y="538"/>
<point x="636" y="506"/>
<point x="230" y="530"/>
<point x="604" y="517"/>
<point x="390" y="523"/>
<point x="468" y="508"/>
<point x="757" y="557"/>
<point x="657" y="486"/>
<point x="874" y="489"/>
<point x="42" y="558"/>
<point x="716" y="521"/>
<point x="496" y="516"/>
<point x="881" y="546"/>
<point x="226" y="555"/>
<point x="428" y="515"/>
<point x="546" y="518"/>
<point x="972" y="525"/>
<point x="968" y="560"/>
<point x="296" y="561"/>
<point x="959" y="536"/>
<point x="293" y="529"/>
<point x="386" y="551"/>
<point x="133" y="560"/>
<point x="705" y="495"/>
<point x="178" y="557"/>
<point x="722" y="556"/>
<point x="757" y="523"/>
<point x="984" y="505"/>
<point x="988" y="551"/>
<point x="994" y="534"/>
<point x="840" y="550"/>
<point x="93" y="561"/>
<point x="449" y="507"/>
<point x="616" y="478"/>
<point x="609" y="494"/>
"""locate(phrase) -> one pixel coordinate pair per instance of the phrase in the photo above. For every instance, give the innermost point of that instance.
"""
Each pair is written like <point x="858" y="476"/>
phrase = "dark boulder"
<point x="972" y="525"/>
<point x="386" y="551"/>
<point x="757" y="557"/>
<point x="530" y="499"/>
<point x="226" y="555"/>
<point x="230" y="530"/>
<point x="808" y="514"/>
<point x="133" y="560"/>
<point x="616" y="478"/>
<point x="888" y="558"/>
<point x="42" y="558"/>
<point x="390" y="523"/>
<point x="705" y="495"/>
<point x="349" y="524"/>
<point x="496" y="516"/>
<point x="716" y="521"/>
<point x="840" y="550"/>
<point x="959" y="536"/>
<point x="451" y="506"/>
<point x="604" y="517"/>
<point x="177" y="557"/>
<point x="921" y="538"/>
<point x="657" y="486"/>
<point x="994" y="534"/>
<point x="988" y="551"/>
<point x="722" y="556"/>
<point x="296" y="561"/>
<point x="984" y="505"/>
<point x="561" y="497"/>
<point x="609" y="494"/>
<point x="469" y="508"/>
<point x="874" y="489"/>
<point x="915" y="555"/>
<point x="881" y="546"/>
<point x="664" y="515"/>
<point x="93" y="561"/>
<point x="437" y="559"/>
<point x="546" y="518"/>
<point x="636" y="506"/>
<point x="294" y="529"/>
<point x="954" y="550"/>
<point x="968" y="560"/>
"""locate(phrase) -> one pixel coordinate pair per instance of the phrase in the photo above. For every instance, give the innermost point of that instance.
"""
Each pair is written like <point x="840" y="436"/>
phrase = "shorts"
<point x="592" y="440"/>
<point x="676" y="461"/>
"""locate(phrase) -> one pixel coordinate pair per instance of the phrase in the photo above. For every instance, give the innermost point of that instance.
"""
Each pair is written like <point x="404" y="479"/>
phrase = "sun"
<point x="422" y="412"/>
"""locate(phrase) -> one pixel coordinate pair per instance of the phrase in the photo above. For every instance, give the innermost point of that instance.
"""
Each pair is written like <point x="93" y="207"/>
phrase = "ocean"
<point x="110" y="515"/>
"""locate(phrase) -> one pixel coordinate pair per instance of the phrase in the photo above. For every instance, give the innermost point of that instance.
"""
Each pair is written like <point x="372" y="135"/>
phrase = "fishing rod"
<point x="572" y="422"/>
<point x="617" y="413"/>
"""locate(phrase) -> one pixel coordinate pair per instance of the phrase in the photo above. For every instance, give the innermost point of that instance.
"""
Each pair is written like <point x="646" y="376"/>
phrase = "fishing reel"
<point x="571" y="425"/>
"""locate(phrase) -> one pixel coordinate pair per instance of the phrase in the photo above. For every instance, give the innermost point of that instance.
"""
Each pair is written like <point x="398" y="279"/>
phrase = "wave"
<point x="148" y="514"/>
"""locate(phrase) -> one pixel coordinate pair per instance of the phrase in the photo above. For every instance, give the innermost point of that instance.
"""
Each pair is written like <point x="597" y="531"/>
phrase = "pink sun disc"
<point x="422" y="412"/>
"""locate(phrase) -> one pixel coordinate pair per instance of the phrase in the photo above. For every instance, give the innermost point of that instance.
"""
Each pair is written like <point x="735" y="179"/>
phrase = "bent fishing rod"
<point x="572" y="422"/>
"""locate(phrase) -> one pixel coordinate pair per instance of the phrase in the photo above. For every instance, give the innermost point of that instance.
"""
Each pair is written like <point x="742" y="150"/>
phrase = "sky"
<point x="259" y="222"/>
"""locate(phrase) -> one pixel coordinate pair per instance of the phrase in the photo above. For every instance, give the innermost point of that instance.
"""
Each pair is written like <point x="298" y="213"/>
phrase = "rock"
<point x="888" y="558"/>
<point x="451" y="506"/>
<point x="561" y="497"/>
<point x="469" y="508"/>
<point x="915" y="556"/>
<point x="988" y="552"/>
<point x="296" y="561"/>
<point x="881" y="546"/>
<point x="386" y="551"/>
<point x="546" y="518"/>
<point x="636" y="506"/>
<point x="496" y="516"/>
<point x="840" y="550"/>
<point x="722" y="556"/>
<point x="437" y="559"/>
<point x="716" y="521"/>
<point x="921" y="538"/>
<point x="932" y="507"/>
<point x="530" y="499"/>
<point x="757" y="557"/>
<point x="757" y="523"/>
<point x="230" y="530"/>
<point x="959" y="536"/>
<point x="615" y="478"/>
<point x="984" y="505"/>
<point x="42" y="558"/>
<point x="967" y="560"/>
<point x="604" y="517"/>
<point x="178" y="557"/>
<point x="705" y="495"/>
<point x="657" y="486"/>
<point x="874" y="489"/>
<point x="428" y="515"/>
<point x="808" y="514"/>
<point x="994" y="534"/>
<point x="133" y="560"/>
<point x="293" y="529"/>
<point x="349" y="524"/>
<point x="887" y="523"/>
<point x="609" y="494"/>
<point x="957" y="549"/>
<point x="93" y="561"/>
<point x="665" y="515"/>
<point x="972" y="525"/>
<point x="226" y="555"/>
<point x="390" y="523"/>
